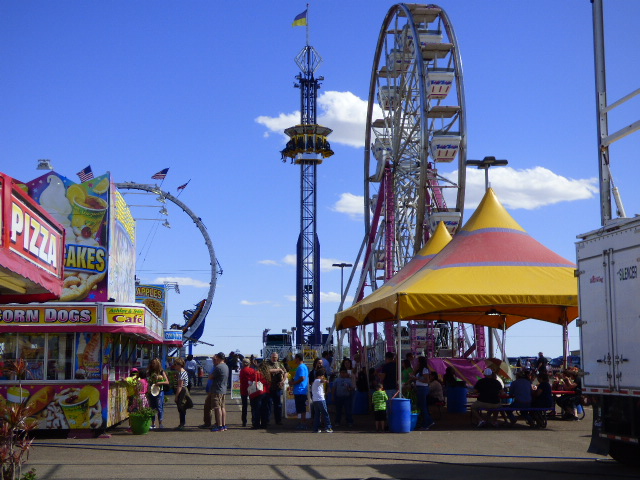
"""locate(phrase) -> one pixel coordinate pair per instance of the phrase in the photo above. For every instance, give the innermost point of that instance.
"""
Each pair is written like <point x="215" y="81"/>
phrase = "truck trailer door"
<point x="596" y="337"/>
<point x="626" y="320"/>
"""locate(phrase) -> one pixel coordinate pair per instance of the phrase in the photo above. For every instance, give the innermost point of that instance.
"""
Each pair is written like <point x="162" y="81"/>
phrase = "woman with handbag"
<point x="258" y="395"/>
<point x="157" y="376"/>
<point x="182" y="398"/>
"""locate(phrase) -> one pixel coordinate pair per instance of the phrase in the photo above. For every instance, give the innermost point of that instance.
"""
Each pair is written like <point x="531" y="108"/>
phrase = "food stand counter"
<point x="76" y="353"/>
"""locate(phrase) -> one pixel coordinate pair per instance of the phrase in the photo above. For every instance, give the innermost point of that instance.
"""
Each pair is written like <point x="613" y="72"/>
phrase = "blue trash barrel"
<point x="361" y="403"/>
<point x="414" y="421"/>
<point x="457" y="398"/>
<point x="399" y="415"/>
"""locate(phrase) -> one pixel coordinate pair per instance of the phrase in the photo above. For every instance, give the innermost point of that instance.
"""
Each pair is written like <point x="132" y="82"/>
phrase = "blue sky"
<point x="205" y="89"/>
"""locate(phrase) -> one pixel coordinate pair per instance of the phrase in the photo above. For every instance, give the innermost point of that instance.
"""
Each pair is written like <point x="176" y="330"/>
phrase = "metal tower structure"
<point x="307" y="147"/>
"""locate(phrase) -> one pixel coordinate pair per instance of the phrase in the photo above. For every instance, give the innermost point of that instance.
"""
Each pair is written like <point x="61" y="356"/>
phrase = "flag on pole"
<point x="161" y="175"/>
<point x="182" y="187"/>
<point x="85" y="174"/>
<point x="300" y="20"/>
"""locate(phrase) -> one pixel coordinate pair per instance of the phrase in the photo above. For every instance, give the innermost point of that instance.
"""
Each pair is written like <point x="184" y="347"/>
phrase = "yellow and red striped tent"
<point x="492" y="273"/>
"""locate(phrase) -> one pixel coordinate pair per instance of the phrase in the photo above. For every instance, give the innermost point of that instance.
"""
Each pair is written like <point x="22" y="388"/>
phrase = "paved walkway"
<point x="452" y="450"/>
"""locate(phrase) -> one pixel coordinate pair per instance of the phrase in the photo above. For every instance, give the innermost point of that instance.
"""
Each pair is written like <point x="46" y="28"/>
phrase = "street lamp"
<point x="341" y="266"/>
<point x="485" y="164"/>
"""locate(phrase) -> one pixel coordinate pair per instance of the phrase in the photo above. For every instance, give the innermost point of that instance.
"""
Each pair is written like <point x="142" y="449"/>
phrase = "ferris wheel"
<point x="415" y="125"/>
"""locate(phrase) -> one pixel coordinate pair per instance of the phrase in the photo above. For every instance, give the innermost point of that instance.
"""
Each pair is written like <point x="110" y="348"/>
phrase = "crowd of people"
<point x="262" y="383"/>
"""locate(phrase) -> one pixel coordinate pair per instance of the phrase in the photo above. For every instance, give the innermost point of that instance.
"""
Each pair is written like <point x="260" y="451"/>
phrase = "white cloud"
<point x="343" y="112"/>
<point x="269" y="262"/>
<point x="289" y="260"/>
<point x="183" y="281"/>
<point x="333" y="297"/>
<point x="528" y="188"/>
<point x="279" y="123"/>
<point x="350" y="204"/>
<point x="263" y="302"/>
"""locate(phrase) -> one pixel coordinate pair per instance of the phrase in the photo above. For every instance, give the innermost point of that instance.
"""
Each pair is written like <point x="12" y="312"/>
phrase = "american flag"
<point x="161" y="175"/>
<point x="183" y="186"/>
<point x="85" y="174"/>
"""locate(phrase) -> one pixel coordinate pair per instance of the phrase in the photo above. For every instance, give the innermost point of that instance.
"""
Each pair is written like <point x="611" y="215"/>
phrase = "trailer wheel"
<point x="626" y="453"/>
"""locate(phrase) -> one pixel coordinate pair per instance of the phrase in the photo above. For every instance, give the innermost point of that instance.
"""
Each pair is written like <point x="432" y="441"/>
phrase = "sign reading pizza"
<point x="33" y="237"/>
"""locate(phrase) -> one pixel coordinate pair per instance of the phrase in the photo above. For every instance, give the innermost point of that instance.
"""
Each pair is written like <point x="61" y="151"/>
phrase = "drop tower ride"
<point x="307" y="147"/>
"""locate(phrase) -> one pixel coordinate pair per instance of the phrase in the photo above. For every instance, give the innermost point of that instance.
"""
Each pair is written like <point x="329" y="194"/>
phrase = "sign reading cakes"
<point x="154" y="297"/>
<point x="83" y="210"/>
<point x="129" y="316"/>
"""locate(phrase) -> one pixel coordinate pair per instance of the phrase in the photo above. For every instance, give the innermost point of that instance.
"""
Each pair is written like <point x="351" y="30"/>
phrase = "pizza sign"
<point x="34" y="239"/>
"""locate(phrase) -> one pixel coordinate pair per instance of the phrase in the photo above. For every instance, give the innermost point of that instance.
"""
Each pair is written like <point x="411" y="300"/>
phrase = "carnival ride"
<point x="194" y="321"/>
<point x="308" y="147"/>
<point x="416" y="122"/>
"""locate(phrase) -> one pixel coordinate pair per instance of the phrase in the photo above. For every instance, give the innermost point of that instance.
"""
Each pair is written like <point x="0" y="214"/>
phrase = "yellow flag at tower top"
<point x="300" y="20"/>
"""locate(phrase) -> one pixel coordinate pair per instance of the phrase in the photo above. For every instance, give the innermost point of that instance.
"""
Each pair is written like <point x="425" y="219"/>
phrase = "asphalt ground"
<point x="453" y="449"/>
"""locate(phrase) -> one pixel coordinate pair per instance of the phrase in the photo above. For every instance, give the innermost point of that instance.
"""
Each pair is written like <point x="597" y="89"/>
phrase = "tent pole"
<point x="399" y="357"/>
<point x="504" y="338"/>
<point x="565" y="338"/>
<point x="364" y="357"/>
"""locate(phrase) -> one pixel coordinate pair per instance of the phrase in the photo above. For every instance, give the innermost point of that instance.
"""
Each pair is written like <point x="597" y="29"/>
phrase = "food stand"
<point x="78" y="349"/>
<point x="75" y="355"/>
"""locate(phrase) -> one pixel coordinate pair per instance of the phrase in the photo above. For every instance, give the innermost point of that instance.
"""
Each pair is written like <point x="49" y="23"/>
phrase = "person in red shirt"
<point x="260" y="400"/>
<point x="245" y="373"/>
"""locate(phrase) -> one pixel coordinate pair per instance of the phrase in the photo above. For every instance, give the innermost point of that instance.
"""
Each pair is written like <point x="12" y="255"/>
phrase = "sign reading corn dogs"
<point x="48" y="315"/>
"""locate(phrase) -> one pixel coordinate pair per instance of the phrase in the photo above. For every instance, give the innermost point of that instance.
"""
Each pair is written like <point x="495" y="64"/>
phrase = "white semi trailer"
<point x="609" y="286"/>
<point x="608" y="260"/>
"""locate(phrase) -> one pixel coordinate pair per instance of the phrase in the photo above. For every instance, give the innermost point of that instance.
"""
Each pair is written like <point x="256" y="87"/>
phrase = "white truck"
<point x="609" y="291"/>
<point x="608" y="260"/>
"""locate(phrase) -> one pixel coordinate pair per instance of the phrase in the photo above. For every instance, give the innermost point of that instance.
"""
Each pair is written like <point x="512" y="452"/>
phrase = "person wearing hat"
<point x="489" y="390"/>
<point x="131" y="384"/>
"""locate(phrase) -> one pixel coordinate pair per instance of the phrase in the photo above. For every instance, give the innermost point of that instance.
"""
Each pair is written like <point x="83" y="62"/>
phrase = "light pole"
<point x="341" y="266"/>
<point x="485" y="164"/>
